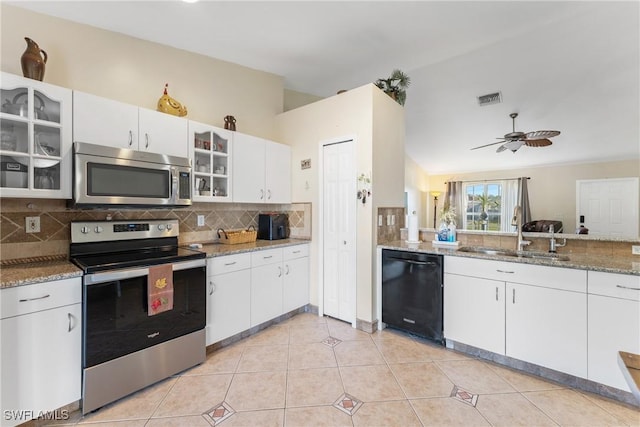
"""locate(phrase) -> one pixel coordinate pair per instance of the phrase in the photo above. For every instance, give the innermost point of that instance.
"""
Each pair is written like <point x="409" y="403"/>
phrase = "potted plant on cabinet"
<point x="395" y="86"/>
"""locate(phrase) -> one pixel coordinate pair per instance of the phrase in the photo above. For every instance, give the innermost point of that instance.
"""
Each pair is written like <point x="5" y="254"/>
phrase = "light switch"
<point x="388" y="219"/>
<point x="200" y="220"/>
<point x="379" y="220"/>
<point x="393" y="220"/>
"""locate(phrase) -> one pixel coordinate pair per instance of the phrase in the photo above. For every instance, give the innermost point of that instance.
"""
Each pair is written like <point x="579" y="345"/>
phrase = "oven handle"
<point x="112" y="276"/>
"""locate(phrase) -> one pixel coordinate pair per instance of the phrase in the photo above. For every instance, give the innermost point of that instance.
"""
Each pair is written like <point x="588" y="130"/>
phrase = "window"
<point x="489" y="205"/>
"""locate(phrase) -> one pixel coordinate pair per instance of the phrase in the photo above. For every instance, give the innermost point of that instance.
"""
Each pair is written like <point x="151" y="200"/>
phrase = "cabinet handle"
<point x="130" y="138"/>
<point x="146" y="140"/>
<point x="279" y="271"/>
<point x="34" y="299"/>
<point x="268" y="194"/>
<point x="514" y="295"/>
<point x="627" y="287"/>
<point x="212" y="286"/>
<point x="261" y="194"/>
<point x="496" y="293"/>
<point x="286" y="269"/>
<point x="267" y="257"/>
<point x="230" y="263"/>
<point x="70" y="317"/>
<point x="505" y="271"/>
<point x="296" y="252"/>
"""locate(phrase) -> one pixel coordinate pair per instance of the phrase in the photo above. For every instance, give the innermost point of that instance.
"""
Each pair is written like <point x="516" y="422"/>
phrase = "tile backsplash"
<point x="55" y="217"/>
<point x="391" y="232"/>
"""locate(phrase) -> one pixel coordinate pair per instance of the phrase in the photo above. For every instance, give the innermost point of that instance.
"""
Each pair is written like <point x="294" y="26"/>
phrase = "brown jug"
<point x="230" y="123"/>
<point x="32" y="61"/>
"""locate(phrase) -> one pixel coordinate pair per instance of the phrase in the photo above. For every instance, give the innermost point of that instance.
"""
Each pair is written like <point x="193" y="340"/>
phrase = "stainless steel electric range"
<point x="126" y="344"/>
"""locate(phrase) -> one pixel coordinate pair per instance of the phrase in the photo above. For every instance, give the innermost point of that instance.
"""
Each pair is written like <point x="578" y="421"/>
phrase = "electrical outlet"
<point x="635" y="250"/>
<point x="200" y="220"/>
<point x="32" y="224"/>
<point x="379" y="220"/>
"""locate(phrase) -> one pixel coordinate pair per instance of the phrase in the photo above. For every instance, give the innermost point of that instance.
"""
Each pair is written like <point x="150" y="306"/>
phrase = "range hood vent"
<point x="492" y="98"/>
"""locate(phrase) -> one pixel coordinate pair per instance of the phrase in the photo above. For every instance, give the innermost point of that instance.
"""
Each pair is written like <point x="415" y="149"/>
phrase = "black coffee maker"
<point x="273" y="226"/>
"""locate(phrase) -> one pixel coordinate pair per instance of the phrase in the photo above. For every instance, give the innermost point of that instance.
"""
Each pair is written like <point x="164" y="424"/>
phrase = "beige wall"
<point x="342" y="117"/>
<point x="294" y="99"/>
<point x="416" y="185"/>
<point x="552" y="189"/>
<point x="134" y="71"/>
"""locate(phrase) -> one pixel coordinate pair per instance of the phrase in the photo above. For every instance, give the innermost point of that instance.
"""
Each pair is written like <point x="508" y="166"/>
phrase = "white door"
<point x="609" y="206"/>
<point x="339" y="230"/>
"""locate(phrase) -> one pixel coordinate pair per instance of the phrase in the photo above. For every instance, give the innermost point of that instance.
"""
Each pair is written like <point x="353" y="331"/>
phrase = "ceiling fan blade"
<point x="542" y="134"/>
<point x="487" y="145"/>
<point x="511" y="145"/>
<point x="537" y="142"/>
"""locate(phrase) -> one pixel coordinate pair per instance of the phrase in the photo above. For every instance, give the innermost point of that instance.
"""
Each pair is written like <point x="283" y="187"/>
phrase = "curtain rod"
<point x="488" y="180"/>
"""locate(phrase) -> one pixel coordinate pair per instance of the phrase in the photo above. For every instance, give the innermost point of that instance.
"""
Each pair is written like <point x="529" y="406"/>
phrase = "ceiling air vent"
<point x="492" y="98"/>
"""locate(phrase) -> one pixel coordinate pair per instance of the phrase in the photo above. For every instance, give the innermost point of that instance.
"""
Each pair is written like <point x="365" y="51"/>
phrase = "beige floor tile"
<point x="315" y="355"/>
<point x="423" y="379"/>
<point x="308" y="333"/>
<point x="267" y="418"/>
<point x="511" y="410"/>
<point x="371" y="383"/>
<point x="448" y="412"/>
<point x="398" y="413"/>
<point x="567" y="407"/>
<point x="401" y="351"/>
<point x="351" y="353"/>
<point x="127" y="423"/>
<point x="316" y="416"/>
<point x="521" y="381"/>
<point x="264" y="358"/>
<point x="437" y="352"/>
<point x="193" y="395"/>
<point x="629" y="415"/>
<point x="222" y="361"/>
<point x="344" y="332"/>
<point x="474" y="376"/>
<point x="257" y="390"/>
<point x="389" y="334"/>
<point x="191" y="421"/>
<point x="313" y="387"/>
<point x="273" y="335"/>
<point x="139" y="405"/>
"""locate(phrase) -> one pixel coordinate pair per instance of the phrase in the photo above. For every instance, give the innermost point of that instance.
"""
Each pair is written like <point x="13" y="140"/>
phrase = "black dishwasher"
<point x="412" y="292"/>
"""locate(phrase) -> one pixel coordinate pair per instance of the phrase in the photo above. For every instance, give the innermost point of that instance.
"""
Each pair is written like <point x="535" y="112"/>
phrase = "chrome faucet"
<point x="552" y="243"/>
<point x="521" y="243"/>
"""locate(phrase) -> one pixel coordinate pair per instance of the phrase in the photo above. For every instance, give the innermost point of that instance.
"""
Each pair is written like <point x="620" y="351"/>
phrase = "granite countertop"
<point x="609" y="264"/>
<point x="45" y="269"/>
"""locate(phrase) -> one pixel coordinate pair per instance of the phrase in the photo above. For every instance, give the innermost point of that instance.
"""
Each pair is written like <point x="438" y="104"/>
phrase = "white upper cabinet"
<point x="210" y="154"/>
<point x="35" y="150"/>
<point x="261" y="170"/>
<point x="103" y="121"/>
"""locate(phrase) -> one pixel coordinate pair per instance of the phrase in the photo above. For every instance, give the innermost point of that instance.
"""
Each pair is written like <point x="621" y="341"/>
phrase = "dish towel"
<point x="160" y="289"/>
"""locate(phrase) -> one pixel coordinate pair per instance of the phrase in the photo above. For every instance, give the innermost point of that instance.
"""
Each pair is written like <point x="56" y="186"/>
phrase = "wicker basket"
<point x="233" y="237"/>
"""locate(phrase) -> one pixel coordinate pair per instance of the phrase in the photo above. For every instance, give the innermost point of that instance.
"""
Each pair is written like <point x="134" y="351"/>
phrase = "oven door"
<point x="115" y="316"/>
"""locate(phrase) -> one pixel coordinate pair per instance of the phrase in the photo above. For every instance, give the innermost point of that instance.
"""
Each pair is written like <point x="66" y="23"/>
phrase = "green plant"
<point x="395" y="86"/>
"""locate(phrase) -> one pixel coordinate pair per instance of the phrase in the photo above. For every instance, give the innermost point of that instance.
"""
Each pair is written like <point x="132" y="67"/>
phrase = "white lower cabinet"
<point x="40" y="349"/>
<point x="251" y="288"/>
<point x="547" y="327"/>
<point x="614" y="325"/>
<point x="474" y="312"/>
<point x="529" y="312"/>
<point x="229" y="290"/>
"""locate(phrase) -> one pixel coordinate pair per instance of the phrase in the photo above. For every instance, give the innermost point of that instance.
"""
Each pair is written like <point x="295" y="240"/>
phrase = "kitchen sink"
<point x="512" y="253"/>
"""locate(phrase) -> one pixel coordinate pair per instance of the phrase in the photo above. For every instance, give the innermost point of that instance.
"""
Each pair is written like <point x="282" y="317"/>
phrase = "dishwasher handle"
<point x="410" y="261"/>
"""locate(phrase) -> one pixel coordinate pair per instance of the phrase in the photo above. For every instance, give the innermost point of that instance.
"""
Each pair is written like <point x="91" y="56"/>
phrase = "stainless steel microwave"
<point x="108" y="176"/>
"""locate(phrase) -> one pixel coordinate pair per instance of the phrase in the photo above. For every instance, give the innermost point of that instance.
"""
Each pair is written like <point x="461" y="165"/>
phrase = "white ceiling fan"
<point x="514" y="140"/>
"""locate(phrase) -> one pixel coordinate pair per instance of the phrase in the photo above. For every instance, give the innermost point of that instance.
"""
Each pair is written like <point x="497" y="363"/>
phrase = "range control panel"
<point x="101" y="231"/>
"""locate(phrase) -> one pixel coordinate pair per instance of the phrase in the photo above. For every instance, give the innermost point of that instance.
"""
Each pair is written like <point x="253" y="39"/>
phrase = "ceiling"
<point x="571" y="66"/>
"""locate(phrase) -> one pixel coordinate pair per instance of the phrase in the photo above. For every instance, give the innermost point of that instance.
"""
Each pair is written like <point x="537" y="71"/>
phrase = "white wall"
<point x="135" y="71"/>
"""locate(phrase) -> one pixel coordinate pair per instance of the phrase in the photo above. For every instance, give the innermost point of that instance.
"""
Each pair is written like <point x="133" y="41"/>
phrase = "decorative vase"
<point x="230" y="123"/>
<point x="451" y="228"/>
<point x="33" y="61"/>
<point x="443" y="232"/>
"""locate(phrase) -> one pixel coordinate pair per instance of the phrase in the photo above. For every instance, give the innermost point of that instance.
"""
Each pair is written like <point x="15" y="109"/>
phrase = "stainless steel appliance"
<point x="273" y="226"/>
<point x="105" y="176"/>
<point x="412" y="291"/>
<point x="124" y="347"/>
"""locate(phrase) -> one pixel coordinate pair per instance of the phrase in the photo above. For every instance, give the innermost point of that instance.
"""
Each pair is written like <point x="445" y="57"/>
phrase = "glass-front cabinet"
<point x="36" y="140"/>
<point x="210" y="154"/>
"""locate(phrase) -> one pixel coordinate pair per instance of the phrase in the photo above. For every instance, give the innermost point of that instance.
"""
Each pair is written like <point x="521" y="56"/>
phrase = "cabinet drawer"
<point x="40" y="296"/>
<point x="228" y="263"/>
<point x="529" y="274"/>
<point x="614" y="285"/>
<point x="266" y="256"/>
<point x="297" y="251"/>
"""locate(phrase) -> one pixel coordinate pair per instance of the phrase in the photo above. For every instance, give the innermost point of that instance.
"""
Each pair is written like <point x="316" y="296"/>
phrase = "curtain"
<point x="523" y="199"/>
<point x="455" y="199"/>
<point x="510" y="191"/>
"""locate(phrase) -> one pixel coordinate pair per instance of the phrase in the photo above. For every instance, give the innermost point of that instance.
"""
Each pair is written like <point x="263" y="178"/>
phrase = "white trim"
<point x="321" y="145"/>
